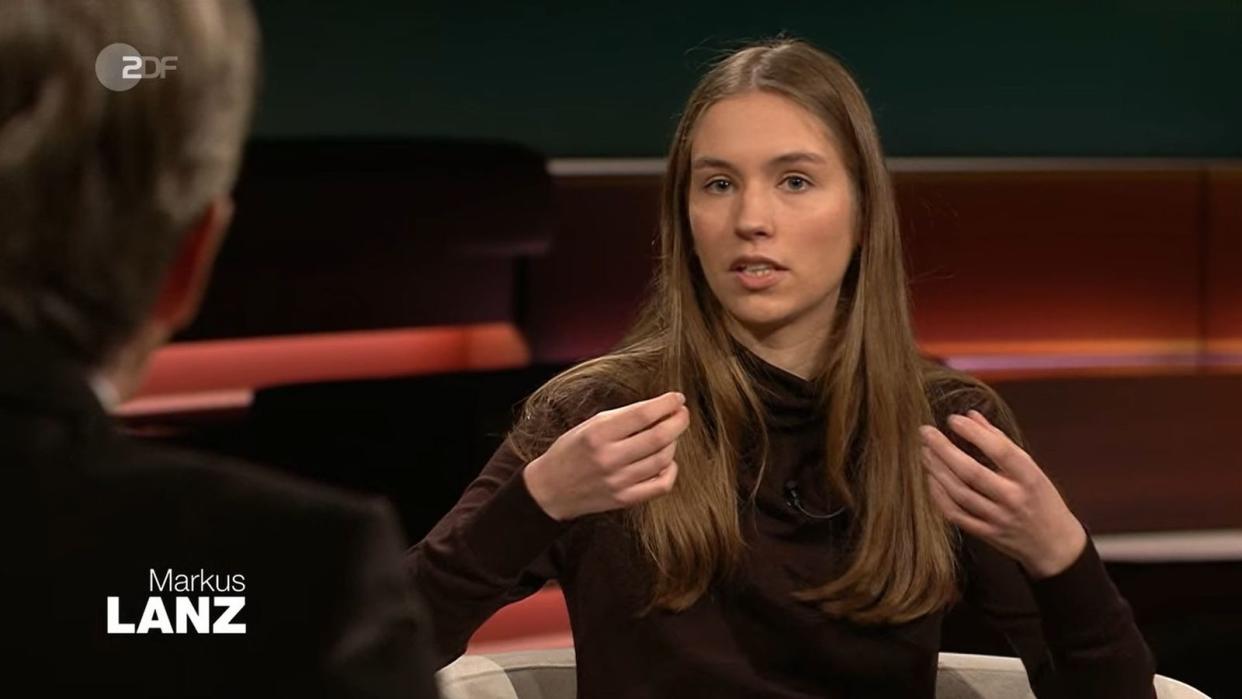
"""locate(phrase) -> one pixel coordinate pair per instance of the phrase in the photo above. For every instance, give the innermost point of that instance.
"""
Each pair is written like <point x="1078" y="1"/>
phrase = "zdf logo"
<point x="119" y="66"/>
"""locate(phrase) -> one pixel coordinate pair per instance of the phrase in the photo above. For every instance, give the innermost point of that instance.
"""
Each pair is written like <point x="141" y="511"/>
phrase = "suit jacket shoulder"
<point x="310" y="577"/>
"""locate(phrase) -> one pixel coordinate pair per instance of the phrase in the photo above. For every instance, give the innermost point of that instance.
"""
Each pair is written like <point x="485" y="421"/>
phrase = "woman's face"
<point x="772" y="215"/>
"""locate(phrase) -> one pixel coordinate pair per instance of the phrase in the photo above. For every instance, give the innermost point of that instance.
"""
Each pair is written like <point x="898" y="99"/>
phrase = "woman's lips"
<point x="758" y="277"/>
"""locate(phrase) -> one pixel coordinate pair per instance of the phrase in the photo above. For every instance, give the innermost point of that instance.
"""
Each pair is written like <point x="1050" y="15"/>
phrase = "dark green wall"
<point x="973" y="79"/>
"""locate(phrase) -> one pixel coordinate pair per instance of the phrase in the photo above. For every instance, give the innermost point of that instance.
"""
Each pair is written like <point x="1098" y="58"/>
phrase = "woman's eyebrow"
<point x="801" y="156"/>
<point x="784" y="159"/>
<point x="708" y="161"/>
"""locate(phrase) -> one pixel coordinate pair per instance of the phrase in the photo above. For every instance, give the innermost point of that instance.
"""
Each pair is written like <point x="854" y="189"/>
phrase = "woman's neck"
<point x="798" y="354"/>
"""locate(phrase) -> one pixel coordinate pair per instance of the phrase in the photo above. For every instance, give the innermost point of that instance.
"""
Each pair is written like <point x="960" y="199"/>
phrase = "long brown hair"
<point x="872" y="380"/>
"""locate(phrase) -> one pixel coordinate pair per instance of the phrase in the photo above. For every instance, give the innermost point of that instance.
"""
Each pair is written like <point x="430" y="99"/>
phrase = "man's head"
<point x="113" y="202"/>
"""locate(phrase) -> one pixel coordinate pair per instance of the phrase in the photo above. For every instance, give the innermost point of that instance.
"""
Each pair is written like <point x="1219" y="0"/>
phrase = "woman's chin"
<point x="759" y="323"/>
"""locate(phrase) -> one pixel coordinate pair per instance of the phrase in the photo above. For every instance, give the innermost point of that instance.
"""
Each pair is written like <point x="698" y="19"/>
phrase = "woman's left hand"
<point x="1016" y="508"/>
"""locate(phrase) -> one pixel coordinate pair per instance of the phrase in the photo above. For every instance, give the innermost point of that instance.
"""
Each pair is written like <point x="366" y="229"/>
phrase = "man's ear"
<point x="185" y="282"/>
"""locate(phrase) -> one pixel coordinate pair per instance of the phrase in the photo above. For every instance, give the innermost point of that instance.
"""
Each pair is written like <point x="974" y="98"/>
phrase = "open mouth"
<point x="756" y="270"/>
<point x="757" y="273"/>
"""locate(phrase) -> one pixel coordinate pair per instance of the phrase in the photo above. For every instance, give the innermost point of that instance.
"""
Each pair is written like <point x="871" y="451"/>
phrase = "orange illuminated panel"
<point x="1223" y="258"/>
<point x="1012" y="257"/>
<point x="222" y="373"/>
<point x="1049" y="358"/>
<point x="1223" y="356"/>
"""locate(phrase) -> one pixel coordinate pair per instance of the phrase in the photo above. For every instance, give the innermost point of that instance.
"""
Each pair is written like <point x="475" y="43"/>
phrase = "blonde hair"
<point x="97" y="186"/>
<point x="874" y="383"/>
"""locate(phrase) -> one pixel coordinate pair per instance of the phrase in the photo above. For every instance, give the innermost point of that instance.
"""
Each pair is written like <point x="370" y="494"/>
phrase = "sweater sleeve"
<point x="493" y="548"/>
<point x="1074" y="631"/>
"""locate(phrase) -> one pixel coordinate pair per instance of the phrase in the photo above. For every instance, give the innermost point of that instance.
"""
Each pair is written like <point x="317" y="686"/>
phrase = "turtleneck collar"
<point x="791" y="400"/>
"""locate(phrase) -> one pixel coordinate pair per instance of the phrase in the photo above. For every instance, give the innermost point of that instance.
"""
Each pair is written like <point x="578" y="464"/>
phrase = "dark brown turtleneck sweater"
<point x="748" y="637"/>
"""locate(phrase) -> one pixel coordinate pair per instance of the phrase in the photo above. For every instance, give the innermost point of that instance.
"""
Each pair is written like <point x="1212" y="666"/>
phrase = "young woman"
<point x="756" y="494"/>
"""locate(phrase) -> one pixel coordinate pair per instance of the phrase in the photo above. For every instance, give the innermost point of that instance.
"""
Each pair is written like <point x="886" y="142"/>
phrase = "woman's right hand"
<point x="615" y="459"/>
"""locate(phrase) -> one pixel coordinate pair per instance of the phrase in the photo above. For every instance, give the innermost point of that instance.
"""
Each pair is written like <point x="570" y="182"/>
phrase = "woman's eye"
<point x="796" y="183"/>
<point x="719" y="186"/>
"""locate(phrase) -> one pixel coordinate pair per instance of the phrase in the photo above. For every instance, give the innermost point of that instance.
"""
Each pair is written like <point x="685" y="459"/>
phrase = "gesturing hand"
<point x="1016" y="508"/>
<point x="615" y="459"/>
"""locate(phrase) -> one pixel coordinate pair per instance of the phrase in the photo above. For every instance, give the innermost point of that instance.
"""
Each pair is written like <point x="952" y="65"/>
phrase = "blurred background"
<point x="444" y="204"/>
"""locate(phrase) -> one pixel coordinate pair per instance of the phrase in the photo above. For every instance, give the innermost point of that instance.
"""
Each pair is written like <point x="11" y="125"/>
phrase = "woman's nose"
<point x="754" y="215"/>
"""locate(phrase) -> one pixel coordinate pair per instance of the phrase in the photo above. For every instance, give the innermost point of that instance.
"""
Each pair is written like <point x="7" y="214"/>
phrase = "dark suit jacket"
<point x="91" y="514"/>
